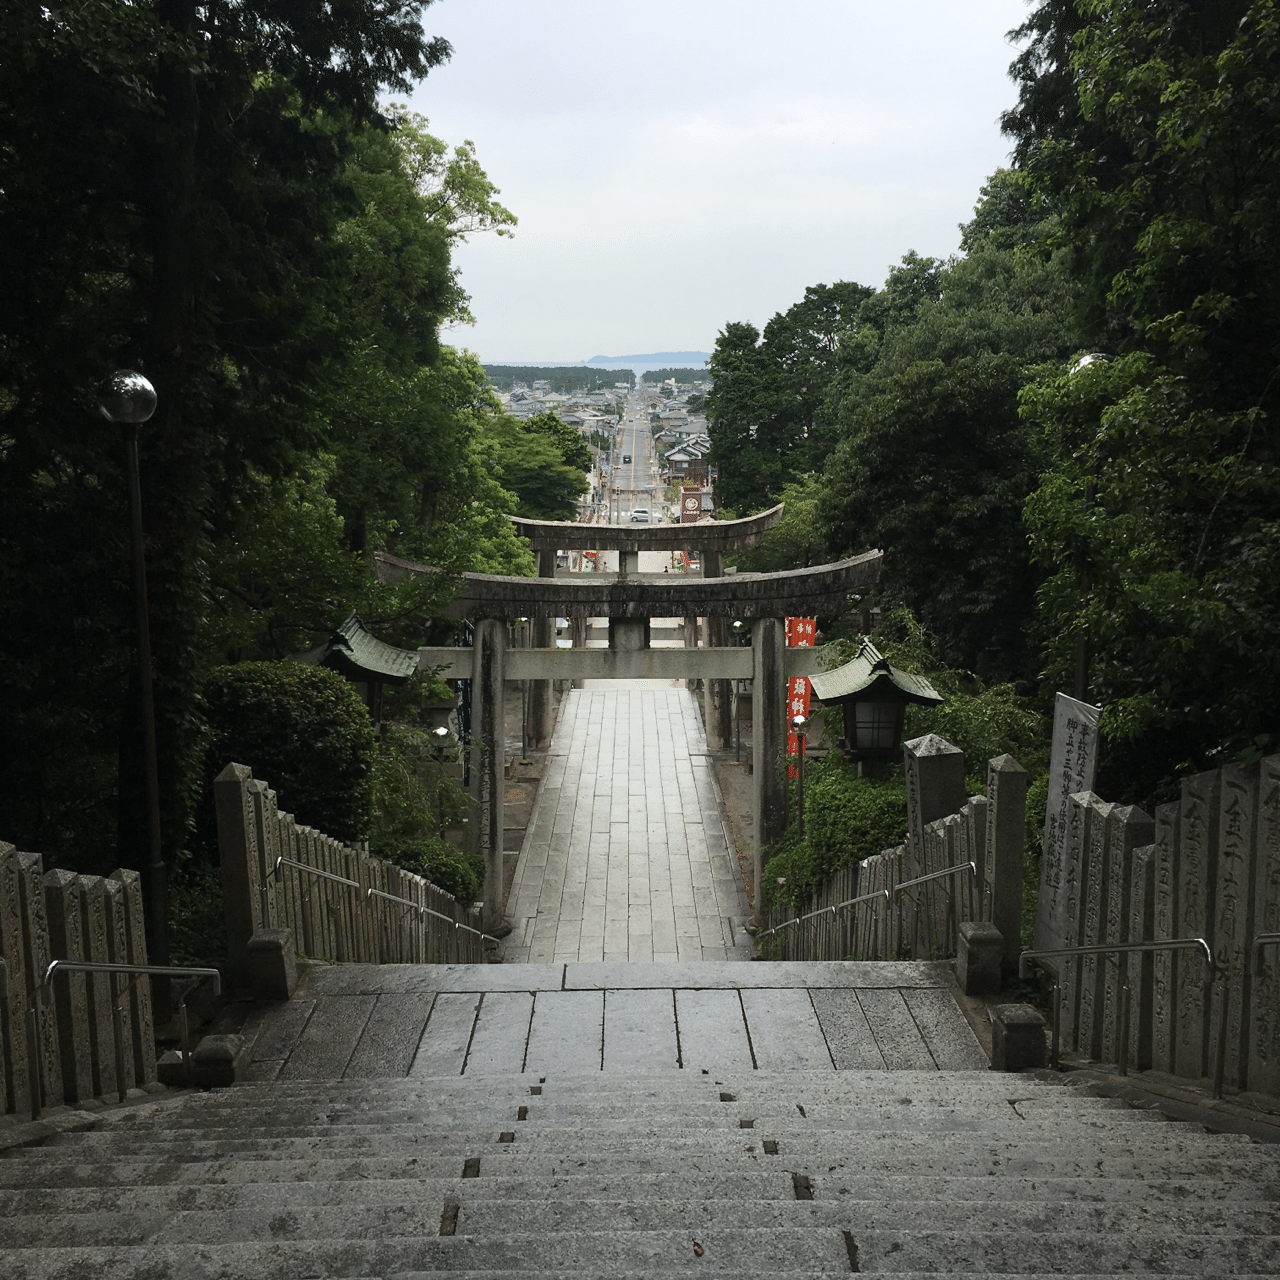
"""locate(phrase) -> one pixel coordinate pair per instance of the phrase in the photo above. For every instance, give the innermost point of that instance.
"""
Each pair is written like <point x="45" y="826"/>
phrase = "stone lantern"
<point x="875" y="697"/>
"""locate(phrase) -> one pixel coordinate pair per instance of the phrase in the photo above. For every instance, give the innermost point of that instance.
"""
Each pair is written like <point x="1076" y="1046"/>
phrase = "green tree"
<point x="1157" y="521"/>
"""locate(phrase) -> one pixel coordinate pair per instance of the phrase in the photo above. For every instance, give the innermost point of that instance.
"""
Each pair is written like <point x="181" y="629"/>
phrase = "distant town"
<point x="674" y="407"/>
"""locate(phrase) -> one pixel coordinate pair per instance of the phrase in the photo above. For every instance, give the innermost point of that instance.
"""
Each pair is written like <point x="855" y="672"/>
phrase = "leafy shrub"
<point x="304" y="731"/>
<point x="846" y="819"/>
<point x="415" y="801"/>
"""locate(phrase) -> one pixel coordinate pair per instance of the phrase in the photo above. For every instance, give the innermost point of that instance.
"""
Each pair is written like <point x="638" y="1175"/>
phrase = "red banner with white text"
<point x="800" y="635"/>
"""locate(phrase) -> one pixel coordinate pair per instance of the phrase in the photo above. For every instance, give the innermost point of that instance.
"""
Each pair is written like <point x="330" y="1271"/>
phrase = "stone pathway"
<point x="365" y="1021"/>
<point x="627" y="858"/>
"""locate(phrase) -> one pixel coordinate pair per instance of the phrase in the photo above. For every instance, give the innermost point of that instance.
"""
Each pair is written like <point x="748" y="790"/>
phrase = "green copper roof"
<point x="870" y="675"/>
<point x="356" y="654"/>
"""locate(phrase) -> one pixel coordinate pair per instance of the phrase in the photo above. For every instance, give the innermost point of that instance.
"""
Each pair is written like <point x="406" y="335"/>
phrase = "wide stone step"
<point x="797" y="1135"/>
<point x="895" y="1158"/>
<point x="1004" y="1124"/>
<point x="815" y="1251"/>
<point x="419" y="1213"/>
<point x="757" y="1252"/>
<point x="572" y="1111"/>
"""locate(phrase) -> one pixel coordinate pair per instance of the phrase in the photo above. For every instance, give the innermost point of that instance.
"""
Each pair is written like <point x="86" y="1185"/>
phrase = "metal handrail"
<point x="970" y="867"/>
<point x="428" y="911"/>
<point x="822" y="911"/>
<point x="1261" y="940"/>
<point x="391" y="897"/>
<point x="1212" y="973"/>
<point x="45" y="985"/>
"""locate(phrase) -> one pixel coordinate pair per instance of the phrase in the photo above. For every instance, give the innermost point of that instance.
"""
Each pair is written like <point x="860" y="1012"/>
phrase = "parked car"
<point x="640" y="515"/>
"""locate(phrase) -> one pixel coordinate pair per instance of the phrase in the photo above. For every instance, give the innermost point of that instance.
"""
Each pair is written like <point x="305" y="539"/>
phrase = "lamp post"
<point x="798" y="725"/>
<point x="129" y="399"/>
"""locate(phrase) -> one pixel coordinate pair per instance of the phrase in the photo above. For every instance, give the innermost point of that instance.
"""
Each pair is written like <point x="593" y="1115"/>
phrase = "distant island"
<point x="670" y="358"/>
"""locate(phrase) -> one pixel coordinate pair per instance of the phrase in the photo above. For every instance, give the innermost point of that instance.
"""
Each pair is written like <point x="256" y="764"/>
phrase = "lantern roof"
<point x="357" y="654"/>
<point x="868" y="678"/>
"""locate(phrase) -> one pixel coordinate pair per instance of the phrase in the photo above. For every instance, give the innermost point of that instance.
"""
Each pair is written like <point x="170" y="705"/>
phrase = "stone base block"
<point x="171" y="1071"/>
<point x="978" y="960"/>
<point x="273" y="964"/>
<point x="213" y="1065"/>
<point x="1017" y="1038"/>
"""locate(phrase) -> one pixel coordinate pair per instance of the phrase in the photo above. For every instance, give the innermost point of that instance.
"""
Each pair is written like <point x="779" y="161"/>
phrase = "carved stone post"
<point x="62" y="892"/>
<point x="543" y="631"/>
<point x="488" y="683"/>
<point x="1006" y="836"/>
<point x="935" y="789"/>
<point x="768" y="743"/>
<point x="238" y="853"/>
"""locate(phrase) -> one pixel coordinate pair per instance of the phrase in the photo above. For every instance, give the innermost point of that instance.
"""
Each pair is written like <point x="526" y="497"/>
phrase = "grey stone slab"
<point x="566" y="1031"/>
<point x="784" y="1029"/>
<point x="369" y="979"/>
<point x="640" y="1030"/>
<point x="712" y="1030"/>
<point x="759" y="974"/>
<point x="846" y="1030"/>
<point x="899" y="1039"/>
<point x="390" y="1038"/>
<point x="442" y="1050"/>
<point x="501" y="1033"/>
<point x="282" y="1030"/>
<point x="329" y="1038"/>
<point x="946" y="1031"/>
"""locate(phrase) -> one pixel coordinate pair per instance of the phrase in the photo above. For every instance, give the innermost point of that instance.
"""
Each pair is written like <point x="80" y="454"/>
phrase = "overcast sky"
<point x="676" y="166"/>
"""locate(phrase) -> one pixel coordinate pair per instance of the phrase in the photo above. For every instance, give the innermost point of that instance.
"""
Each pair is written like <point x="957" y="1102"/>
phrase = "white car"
<point x="640" y="515"/>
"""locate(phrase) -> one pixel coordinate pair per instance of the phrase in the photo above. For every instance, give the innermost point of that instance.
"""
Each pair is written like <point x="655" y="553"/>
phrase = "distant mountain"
<point x="687" y="358"/>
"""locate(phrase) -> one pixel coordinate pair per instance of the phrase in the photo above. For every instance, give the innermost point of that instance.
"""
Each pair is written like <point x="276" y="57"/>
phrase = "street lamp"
<point x="798" y="726"/>
<point x="128" y="398"/>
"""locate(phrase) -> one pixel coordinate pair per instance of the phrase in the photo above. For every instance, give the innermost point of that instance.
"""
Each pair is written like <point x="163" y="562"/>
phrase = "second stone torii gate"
<point x="712" y="540"/>
<point x="764" y="599"/>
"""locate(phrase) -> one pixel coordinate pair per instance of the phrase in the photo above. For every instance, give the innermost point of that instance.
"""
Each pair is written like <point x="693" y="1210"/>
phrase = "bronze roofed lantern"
<point x="875" y="697"/>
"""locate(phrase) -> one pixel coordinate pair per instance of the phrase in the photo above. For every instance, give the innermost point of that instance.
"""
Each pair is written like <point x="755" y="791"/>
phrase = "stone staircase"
<point x="633" y="1174"/>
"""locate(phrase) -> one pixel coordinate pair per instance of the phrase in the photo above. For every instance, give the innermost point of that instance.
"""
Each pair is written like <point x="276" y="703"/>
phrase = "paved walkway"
<point x="627" y="857"/>
<point x="361" y="1021"/>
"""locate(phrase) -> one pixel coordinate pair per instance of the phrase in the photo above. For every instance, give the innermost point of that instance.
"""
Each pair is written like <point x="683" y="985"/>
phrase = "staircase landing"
<point x="369" y="1022"/>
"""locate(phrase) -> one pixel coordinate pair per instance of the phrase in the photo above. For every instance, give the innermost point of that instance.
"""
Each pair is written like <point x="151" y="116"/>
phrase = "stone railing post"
<point x="238" y="854"/>
<point x="141" y="1019"/>
<point x="62" y="895"/>
<point x="1263" y="1067"/>
<point x="35" y="943"/>
<point x="1001" y="887"/>
<point x="935" y="789"/>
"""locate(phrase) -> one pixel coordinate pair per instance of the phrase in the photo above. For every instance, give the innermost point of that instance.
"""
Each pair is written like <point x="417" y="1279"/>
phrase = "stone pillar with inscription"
<point x="1073" y="759"/>
<point x="238" y="856"/>
<point x="1128" y="828"/>
<point x="1075" y="859"/>
<point x="1002" y="866"/>
<point x="1264" y="1025"/>
<point x="35" y="940"/>
<point x="1093" y="930"/>
<point x="1164" y="974"/>
<point x="1141" y="896"/>
<point x="141" y="1021"/>
<point x="1196" y="870"/>
<point x="62" y="892"/>
<point x="99" y="988"/>
<point x="1233" y="904"/>
<point x="13" y="1044"/>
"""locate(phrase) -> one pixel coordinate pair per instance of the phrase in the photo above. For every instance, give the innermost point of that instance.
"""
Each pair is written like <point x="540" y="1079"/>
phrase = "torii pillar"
<point x="538" y="722"/>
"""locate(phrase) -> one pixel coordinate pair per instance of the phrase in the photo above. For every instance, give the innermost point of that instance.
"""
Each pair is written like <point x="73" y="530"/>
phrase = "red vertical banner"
<point x="800" y="635"/>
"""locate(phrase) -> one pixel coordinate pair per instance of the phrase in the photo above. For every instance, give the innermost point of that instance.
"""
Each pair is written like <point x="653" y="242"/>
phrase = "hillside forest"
<point x="1064" y="437"/>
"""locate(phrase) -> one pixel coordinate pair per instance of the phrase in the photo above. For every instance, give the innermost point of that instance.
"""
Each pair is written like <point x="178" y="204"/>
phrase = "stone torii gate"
<point x="710" y="540"/>
<point x="629" y="601"/>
